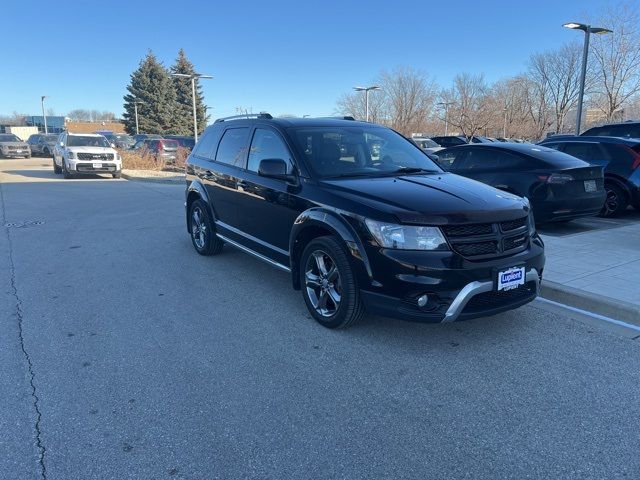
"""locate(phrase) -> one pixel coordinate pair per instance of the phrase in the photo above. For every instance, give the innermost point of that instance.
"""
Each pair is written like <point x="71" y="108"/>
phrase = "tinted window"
<point x="87" y="141"/>
<point x="481" y="159"/>
<point x="233" y="147"/>
<point x="8" y="137"/>
<point x="509" y="161"/>
<point x="451" y="159"/>
<point x="206" y="146"/>
<point x="266" y="144"/>
<point x="583" y="151"/>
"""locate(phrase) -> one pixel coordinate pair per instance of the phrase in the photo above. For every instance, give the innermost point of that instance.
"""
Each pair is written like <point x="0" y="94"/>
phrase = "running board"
<point x="255" y="254"/>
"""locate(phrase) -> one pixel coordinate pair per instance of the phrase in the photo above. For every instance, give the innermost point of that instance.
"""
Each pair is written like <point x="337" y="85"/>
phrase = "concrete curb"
<point x="591" y="302"/>
<point x="153" y="179"/>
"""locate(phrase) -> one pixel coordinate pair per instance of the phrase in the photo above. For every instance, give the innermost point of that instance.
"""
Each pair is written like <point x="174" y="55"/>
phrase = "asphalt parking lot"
<point x="124" y="354"/>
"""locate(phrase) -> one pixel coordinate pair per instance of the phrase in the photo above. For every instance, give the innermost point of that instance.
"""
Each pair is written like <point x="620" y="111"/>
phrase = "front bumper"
<point x="456" y="289"/>
<point x="89" y="168"/>
<point x="25" y="152"/>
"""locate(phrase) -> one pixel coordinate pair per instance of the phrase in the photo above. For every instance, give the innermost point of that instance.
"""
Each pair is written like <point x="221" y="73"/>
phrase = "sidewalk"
<point x="153" y="176"/>
<point x="598" y="264"/>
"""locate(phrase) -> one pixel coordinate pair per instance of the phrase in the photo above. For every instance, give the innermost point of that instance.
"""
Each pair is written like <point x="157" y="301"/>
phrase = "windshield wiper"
<point x="413" y="170"/>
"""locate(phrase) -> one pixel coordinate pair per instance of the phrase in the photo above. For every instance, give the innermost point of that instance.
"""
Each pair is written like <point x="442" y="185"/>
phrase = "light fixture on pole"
<point x="446" y="118"/>
<point x="193" y="78"/>
<point x="588" y="30"/>
<point x="366" y="91"/>
<point x="44" y="115"/>
<point x="135" y="109"/>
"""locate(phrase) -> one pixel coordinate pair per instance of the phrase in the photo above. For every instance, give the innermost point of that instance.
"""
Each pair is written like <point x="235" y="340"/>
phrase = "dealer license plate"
<point x="511" y="278"/>
<point x="590" y="186"/>
<point x="97" y="165"/>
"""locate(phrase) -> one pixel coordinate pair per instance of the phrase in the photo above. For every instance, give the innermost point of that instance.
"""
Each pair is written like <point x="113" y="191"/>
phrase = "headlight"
<point x="406" y="237"/>
<point x="70" y="154"/>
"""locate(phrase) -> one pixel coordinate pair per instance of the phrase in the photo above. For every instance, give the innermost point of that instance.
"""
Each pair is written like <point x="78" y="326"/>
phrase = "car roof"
<point x="85" y="134"/>
<point x="525" y="148"/>
<point x="628" y="122"/>
<point x="594" y="138"/>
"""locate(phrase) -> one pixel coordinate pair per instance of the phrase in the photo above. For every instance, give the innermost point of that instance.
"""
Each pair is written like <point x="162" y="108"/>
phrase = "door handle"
<point x="241" y="184"/>
<point x="207" y="175"/>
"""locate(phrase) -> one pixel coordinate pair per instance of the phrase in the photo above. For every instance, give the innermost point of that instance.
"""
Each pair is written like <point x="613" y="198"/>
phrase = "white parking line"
<point x="597" y="316"/>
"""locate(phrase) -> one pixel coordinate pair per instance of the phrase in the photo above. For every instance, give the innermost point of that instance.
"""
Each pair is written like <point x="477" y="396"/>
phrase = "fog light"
<point x="422" y="300"/>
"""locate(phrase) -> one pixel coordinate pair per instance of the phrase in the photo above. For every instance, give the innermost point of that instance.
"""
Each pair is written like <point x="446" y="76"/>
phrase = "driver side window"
<point x="267" y="144"/>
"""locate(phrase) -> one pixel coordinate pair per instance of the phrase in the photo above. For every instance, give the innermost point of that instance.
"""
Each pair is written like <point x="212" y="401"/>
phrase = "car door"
<point x="222" y="176"/>
<point x="268" y="207"/>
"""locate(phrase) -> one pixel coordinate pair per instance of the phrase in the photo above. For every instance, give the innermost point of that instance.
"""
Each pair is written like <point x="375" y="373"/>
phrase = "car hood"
<point x="434" y="199"/>
<point x="91" y="150"/>
<point x="14" y="144"/>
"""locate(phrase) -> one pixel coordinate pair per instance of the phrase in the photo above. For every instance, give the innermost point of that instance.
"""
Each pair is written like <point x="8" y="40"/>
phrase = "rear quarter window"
<point x="554" y="158"/>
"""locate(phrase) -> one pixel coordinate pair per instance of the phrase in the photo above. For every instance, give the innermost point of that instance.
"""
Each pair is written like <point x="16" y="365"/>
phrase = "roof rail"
<point x="263" y="115"/>
<point x="342" y="117"/>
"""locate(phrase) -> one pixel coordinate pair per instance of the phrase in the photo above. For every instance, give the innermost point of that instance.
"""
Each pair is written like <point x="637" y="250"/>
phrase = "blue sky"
<point x="280" y="56"/>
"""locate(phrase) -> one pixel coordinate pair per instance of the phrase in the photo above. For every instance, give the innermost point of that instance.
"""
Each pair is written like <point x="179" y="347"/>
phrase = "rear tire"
<point x="329" y="287"/>
<point x="202" y="229"/>
<point x="616" y="201"/>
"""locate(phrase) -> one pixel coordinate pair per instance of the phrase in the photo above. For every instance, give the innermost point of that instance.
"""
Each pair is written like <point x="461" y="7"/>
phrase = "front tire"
<point x="116" y="175"/>
<point x="203" y="234"/>
<point x="56" y="168"/>
<point x="616" y="201"/>
<point x="67" y="173"/>
<point x="329" y="287"/>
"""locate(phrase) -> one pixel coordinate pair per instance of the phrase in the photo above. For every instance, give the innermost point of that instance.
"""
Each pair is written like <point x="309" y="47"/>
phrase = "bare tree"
<point x="353" y="104"/>
<point x="557" y="73"/>
<point x="617" y="59"/>
<point x="470" y="106"/>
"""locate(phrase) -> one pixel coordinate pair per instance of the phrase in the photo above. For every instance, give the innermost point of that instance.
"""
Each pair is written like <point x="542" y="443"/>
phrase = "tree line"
<point x="538" y="101"/>
<point x="164" y="103"/>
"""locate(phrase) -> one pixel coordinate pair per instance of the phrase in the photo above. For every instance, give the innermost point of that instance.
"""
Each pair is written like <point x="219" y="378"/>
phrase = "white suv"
<point x="85" y="153"/>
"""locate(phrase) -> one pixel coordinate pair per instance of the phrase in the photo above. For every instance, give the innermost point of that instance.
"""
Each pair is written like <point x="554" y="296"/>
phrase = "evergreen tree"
<point x="183" y="118"/>
<point x="151" y="85"/>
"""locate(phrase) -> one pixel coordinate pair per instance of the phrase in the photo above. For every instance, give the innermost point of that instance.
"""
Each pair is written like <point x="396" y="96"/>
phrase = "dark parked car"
<point x="144" y="136"/>
<point x="450" y="140"/>
<point x="360" y="218"/>
<point x="620" y="158"/>
<point x="624" y="129"/>
<point x="162" y="148"/>
<point x="559" y="186"/>
<point x="183" y="141"/>
<point x="42" y="144"/>
<point x="120" y="140"/>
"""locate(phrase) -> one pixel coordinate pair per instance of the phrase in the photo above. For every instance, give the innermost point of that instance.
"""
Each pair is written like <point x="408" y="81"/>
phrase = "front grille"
<point x="95" y="156"/>
<point x="489" y="300"/>
<point x="486" y="240"/>
<point x="468" y="230"/>
<point x="13" y="147"/>
<point x="479" y="248"/>
<point x="513" y="224"/>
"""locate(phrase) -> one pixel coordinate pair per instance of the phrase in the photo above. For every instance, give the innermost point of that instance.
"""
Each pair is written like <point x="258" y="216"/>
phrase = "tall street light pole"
<point x="193" y="78"/>
<point x="366" y="91"/>
<point x="135" y="109"/>
<point x="44" y="115"/>
<point x="588" y="30"/>
<point x="446" y="118"/>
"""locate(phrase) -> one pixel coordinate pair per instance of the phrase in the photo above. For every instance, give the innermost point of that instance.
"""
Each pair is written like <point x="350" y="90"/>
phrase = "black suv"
<point x="361" y="218"/>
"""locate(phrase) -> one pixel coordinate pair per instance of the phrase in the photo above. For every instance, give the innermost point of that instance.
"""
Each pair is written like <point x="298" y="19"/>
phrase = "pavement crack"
<point x="19" y="316"/>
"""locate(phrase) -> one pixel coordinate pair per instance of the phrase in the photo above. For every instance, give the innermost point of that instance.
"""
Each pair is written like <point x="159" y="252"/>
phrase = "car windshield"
<point x="124" y="138"/>
<point x="8" y="137"/>
<point x="50" y="138"/>
<point x="359" y="151"/>
<point x="86" y="141"/>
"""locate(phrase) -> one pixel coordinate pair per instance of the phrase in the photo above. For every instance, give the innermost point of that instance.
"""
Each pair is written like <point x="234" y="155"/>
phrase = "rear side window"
<point x="232" y="149"/>
<point x="509" y="161"/>
<point x="583" y="151"/>
<point x="481" y="159"/>
<point x="206" y="146"/>
<point x="267" y="144"/>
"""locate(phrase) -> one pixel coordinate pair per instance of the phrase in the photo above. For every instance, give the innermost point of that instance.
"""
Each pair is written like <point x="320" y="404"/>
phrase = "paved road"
<point x="123" y="354"/>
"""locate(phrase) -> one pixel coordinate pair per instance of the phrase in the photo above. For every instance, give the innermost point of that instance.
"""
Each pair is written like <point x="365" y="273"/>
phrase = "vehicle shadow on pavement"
<point x="52" y="176"/>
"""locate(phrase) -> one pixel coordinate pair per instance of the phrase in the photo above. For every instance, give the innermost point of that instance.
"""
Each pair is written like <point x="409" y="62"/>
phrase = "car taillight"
<point x="557" y="178"/>
<point x="635" y="151"/>
<point x="160" y="145"/>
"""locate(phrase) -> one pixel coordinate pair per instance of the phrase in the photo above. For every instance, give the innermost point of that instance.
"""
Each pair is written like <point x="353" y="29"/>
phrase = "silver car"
<point x="42" y="144"/>
<point x="12" y="146"/>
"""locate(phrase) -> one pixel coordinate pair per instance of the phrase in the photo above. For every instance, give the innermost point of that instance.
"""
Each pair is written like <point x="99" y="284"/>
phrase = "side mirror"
<point x="273" y="168"/>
